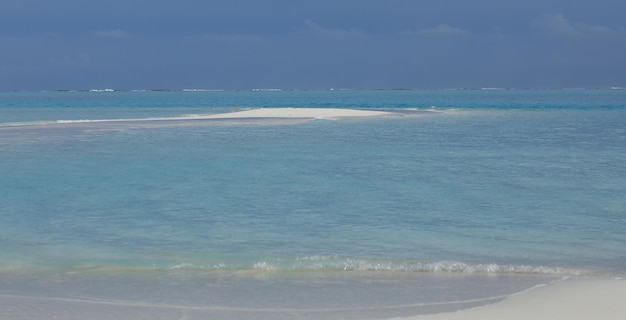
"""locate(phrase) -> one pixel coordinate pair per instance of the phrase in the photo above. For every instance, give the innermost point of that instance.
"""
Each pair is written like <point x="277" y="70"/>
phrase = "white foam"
<point x="101" y="90"/>
<point x="335" y="263"/>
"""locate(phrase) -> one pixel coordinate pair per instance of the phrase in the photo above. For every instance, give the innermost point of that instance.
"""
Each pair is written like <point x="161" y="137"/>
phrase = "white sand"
<point x="573" y="299"/>
<point x="314" y="113"/>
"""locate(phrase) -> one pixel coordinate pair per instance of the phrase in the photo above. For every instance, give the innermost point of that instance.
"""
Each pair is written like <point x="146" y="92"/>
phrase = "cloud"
<point x="316" y="30"/>
<point x="116" y="33"/>
<point x="442" y="30"/>
<point x="226" y="37"/>
<point x="558" y="25"/>
<point x="555" y="24"/>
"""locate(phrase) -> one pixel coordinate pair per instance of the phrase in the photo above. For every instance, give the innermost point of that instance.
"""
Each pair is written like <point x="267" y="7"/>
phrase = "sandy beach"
<point x="569" y="299"/>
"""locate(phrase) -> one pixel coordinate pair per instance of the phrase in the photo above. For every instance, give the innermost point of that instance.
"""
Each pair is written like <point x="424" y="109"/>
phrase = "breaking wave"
<point x="335" y="263"/>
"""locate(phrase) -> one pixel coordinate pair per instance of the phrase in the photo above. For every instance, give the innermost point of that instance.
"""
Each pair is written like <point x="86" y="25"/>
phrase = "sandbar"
<point x="571" y="299"/>
<point x="314" y="113"/>
<point x="265" y="116"/>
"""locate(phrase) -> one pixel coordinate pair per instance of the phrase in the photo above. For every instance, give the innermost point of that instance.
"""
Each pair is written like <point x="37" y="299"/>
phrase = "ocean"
<point x="128" y="204"/>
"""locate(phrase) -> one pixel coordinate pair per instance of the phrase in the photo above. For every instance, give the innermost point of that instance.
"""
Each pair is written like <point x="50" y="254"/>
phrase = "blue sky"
<point x="157" y="44"/>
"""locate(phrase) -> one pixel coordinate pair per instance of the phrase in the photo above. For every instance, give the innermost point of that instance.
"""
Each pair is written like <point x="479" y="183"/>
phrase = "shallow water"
<point x="261" y="295"/>
<point x="484" y="194"/>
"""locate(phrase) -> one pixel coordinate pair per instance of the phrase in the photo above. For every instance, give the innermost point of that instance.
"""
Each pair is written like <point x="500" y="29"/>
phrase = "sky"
<point x="311" y="44"/>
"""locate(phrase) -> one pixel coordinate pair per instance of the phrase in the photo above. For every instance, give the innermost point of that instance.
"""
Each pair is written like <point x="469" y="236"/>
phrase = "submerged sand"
<point x="572" y="299"/>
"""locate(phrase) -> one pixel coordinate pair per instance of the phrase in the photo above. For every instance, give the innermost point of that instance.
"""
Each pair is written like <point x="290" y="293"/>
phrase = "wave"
<point x="101" y="90"/>
<point x="309" y="264"/>
<point x="335" y="263"/>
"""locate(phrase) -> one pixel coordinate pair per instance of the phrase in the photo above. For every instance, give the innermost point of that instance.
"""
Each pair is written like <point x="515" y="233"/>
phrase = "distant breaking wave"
<point x="101" y="90"/>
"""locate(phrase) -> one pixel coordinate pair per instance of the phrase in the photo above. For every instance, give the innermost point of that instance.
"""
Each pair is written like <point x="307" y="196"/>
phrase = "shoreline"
<point x="263" y="295"/>
<point x="267" y="295"/>
<point x="236" y="296"/>
<point x="571" y="299"/>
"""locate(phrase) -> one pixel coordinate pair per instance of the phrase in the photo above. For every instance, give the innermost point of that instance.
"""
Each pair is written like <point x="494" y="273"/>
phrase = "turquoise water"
<point x="520" y="185"/>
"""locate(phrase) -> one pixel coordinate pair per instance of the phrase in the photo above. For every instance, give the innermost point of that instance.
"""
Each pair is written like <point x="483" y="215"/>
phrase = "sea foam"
<point x="319" y="263"/>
